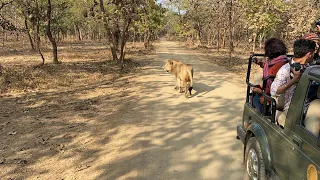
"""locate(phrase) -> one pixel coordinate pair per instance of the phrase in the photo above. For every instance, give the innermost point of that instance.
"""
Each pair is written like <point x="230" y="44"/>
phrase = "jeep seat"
<point x="312" y="119"/>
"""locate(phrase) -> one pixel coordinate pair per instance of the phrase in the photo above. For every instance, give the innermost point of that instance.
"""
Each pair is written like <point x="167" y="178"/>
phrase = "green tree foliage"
<point x="199" y="22"/>
<point x="302" y="16"/>
<point x="244" y="21"/>
<point x="150" y="22"/>
<point x="118" y="16"/>
<point x="90" y="19"/>
<point x="263" y="17"/>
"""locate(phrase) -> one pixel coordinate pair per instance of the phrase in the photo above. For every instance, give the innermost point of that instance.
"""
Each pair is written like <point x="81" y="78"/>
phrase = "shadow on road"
<point x="146" y="131"/>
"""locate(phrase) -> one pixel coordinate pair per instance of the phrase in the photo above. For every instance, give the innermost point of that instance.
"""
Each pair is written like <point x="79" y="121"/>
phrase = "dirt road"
<point x="149" y="132"/>
<point x="186" y="138"/>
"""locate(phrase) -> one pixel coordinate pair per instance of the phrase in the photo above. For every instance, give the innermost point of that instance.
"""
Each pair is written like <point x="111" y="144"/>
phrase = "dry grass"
<point x="50" y="111"/>
<point x="238" y="64"/>
<point x="82" y="64"/>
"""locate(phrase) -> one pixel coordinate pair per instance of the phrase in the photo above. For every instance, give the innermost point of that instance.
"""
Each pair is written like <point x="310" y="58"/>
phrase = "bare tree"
<point x="117" y="21"/>
<point x="49" y="34"/>
<point x="230" y="23"/>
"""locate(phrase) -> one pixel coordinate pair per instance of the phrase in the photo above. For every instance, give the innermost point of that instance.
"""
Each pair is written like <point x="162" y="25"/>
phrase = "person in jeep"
<point x="314" y="37"/>
<point x="318" y="26"/>
<point x="287" y="77"/>
<point x="275" y="53"/>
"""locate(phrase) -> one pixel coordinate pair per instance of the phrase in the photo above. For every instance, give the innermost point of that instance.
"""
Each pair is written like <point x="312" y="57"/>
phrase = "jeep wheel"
<point x="254" y="164"/>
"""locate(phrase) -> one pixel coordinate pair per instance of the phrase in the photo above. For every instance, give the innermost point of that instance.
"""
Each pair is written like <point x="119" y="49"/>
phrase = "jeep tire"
<point x="254" y="164"/>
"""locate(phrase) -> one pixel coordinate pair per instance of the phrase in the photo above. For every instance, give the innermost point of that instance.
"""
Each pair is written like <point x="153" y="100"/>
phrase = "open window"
<point x="311" y="118"/>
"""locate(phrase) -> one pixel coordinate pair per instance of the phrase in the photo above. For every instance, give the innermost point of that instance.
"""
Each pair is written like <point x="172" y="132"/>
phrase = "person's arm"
<point x="281" y="89"/>
<point x="279" y="80"/>
<point x="257" y="90"/>
<point x="260" y="62"/>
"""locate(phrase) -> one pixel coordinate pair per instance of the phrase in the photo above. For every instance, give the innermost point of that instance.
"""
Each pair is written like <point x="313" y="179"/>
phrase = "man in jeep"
<point x="318" y="26"/>
<point x="289" y="74"/>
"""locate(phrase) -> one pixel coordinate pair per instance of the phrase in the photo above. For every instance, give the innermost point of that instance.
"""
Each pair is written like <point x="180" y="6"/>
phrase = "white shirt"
<point x="282" y="77"/>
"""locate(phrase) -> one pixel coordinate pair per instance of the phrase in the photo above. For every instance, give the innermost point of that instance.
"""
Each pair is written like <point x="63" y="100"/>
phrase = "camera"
<point x="255" y="60"/>
<point x="318" y="22"/>
<point x="296" y="66"/>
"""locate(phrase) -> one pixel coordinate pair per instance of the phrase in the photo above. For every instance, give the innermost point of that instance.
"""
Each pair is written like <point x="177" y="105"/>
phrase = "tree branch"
<point x="6" y="3"/>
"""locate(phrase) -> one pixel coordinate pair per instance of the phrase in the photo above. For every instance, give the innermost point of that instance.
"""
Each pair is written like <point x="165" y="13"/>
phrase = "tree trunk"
<point x="261" y="37"/>
<point x="78" y="32"/>
<point x="110" y="35"/>
<point x="254" y="42"/>
<point x="41" y="55"/>
<point x="223" y="43"/>
<point x="38" y="43"/>
<point x="209" y="39"/>
<point x="29" y="35"/>
<point x="198" y="38"/>
<point x="199" y="35"/>
<point x="230" y="32"/>
<point x="122" y="53"/>
<point x="49" y="34"/>
<point x="113" y="52"/>
<point x="99" y="34"/>
<point x="35" y="33"/>
<point x="147" y="40"/>
<point x="218" y="41"/>
<point x="134" y="37"/>
<point x="123" y="41"/>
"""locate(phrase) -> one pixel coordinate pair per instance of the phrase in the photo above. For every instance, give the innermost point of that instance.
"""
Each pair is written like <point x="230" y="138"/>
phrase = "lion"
<point x="183" y="72"/>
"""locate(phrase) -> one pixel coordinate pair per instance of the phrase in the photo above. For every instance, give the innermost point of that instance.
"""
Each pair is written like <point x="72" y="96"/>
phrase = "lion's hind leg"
<point x="190" y="89"/>
<point x="177" y="83"/>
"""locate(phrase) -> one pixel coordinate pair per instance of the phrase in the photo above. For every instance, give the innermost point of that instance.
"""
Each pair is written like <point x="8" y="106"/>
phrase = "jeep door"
<point x="279" y="143"/>
<point x="304" y="153"/>
<point x="304" y="156"/>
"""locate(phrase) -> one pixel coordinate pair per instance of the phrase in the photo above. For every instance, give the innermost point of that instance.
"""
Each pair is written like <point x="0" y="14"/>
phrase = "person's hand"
<point x="256" y="90"/>
<point x="297" y="74"/>
<point x="259" y="62"/>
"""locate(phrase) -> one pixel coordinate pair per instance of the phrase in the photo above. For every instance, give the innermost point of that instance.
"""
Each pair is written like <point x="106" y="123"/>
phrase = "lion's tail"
<point x="191" y="80"/>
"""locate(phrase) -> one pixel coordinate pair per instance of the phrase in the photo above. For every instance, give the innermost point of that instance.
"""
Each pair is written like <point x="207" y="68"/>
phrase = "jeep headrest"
<point x="312" y="120"/>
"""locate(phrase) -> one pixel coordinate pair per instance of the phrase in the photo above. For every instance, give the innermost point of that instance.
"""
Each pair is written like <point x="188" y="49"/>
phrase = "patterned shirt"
<point x="283" y="76"/>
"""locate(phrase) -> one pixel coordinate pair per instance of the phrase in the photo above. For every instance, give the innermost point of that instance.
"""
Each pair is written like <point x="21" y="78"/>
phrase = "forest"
<point x="221" y="24"/>
<point x="83" y="93"/>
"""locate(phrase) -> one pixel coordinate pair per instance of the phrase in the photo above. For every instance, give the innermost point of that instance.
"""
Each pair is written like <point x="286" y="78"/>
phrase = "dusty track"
<point x="148" y="131"/>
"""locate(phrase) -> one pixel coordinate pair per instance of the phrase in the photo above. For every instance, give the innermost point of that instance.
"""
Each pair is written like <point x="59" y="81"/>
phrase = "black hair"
<point x="303" y="46"/>
<point x="274" y="47"/>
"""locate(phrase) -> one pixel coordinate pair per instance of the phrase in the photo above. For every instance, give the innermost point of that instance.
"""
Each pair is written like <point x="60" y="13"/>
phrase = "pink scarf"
<point x="269" y="63"/>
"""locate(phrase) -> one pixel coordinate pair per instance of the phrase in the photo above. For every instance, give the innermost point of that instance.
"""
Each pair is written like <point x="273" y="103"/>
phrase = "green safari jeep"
<point x="291" y="151"/>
